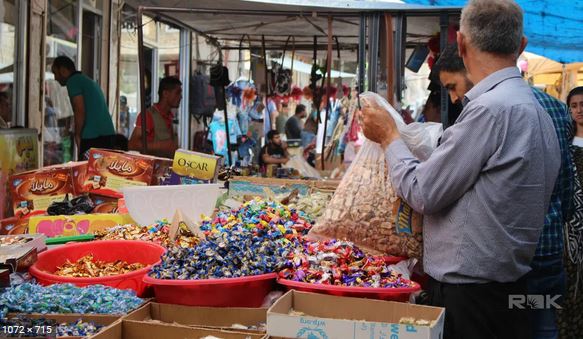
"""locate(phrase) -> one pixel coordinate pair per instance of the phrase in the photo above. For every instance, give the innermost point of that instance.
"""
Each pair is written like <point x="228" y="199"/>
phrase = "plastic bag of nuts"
<point x="365" y="209"/>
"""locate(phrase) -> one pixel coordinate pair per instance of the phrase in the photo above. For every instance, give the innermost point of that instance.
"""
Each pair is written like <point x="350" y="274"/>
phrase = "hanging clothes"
<point x="270" y="110"/>
<point x="218" y="136"/>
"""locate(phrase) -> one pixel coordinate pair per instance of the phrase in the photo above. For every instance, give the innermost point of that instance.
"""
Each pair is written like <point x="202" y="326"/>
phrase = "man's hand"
<point x="378" y="125"/>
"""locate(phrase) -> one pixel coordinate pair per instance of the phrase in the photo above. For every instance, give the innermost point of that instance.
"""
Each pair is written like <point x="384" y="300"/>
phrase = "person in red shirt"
<point x="162" y="141"/>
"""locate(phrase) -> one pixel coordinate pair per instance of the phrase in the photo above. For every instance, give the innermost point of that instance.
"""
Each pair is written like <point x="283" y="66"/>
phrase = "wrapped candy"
<point x="78" y="329"/>
<point x="230" y="253"/>
<point x="88" y="267"/>
<point x="67" y="298"/>
<point x="340" y="263"/>
<point x="253" y="240"/>
<point x="158" y="233"/>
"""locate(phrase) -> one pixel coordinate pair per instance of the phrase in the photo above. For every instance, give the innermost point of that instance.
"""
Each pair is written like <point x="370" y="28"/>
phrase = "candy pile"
<point x="252" y="240"/>
<point x="313" y="204"/>
<point x="260" y="214"/>
<point x="157" y="233"/>
<point x="339" y="263"/>
<point x="88" y="267"/>
<point x="234" y="252"/>
<point x="78" y="329"/>
<point x="67" y="298"/>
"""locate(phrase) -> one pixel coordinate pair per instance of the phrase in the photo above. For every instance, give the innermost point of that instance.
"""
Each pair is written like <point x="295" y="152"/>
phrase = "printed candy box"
<point x="113" y="170"/>
<point x="69" y="225"/>
<point x="37" y="190"/>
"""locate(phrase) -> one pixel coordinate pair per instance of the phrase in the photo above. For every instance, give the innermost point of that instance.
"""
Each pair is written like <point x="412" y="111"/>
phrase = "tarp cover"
<point x="554" y="28"/>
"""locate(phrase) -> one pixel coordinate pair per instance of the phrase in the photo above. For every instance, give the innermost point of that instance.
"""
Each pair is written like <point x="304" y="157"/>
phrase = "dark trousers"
<point x="474" y="311"/>
<point x="547" y="278"/>
<point x="107" y="142"/>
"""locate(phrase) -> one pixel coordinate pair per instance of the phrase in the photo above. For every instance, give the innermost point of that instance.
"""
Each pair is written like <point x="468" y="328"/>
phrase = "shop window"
<point x="161" y="58"/>
<point x="62" y="35"/>
<point x="8" y="18"/>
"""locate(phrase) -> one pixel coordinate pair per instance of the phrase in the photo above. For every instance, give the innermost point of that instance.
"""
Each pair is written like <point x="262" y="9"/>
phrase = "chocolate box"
<point x="113" y="170"/>
<point x="36" y="190"/>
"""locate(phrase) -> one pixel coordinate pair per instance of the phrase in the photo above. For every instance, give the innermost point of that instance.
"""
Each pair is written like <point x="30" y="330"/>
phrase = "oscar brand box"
<point x="309" y="315"/>
<point x="196" y="165"/>
<point x="69" y="225"/>
<point x="114" y="170"/>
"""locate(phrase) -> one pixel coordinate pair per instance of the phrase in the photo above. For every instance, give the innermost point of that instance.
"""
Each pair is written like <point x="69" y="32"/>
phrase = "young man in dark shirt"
<point x="275" y="151"/>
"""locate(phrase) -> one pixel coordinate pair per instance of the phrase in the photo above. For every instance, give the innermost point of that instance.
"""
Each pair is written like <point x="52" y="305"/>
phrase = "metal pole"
<point x="444" y="24"/>
<point x="142" y="67"/>
<point x="373" y="47"/>
<point x="361" y="53"/>
<point x="328" y="84"/>
<point x="399" y="49"/>
<point x="184" y="120"/>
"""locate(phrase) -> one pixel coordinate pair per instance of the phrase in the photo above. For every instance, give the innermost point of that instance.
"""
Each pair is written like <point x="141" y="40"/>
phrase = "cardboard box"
<point x="14" y="225"/>
<point x="114" y="170"/>
<point x="31" y="241"/>
<point x="68" y="225"/>
<point x="196" y="165"/>
<point x="326" y="316"/>
<point x="104" y="204"/>
<point x="105" y="320"/>
<point x="128" y="329"/>
<point x="203" y="317"/>
<point x="37" y="190"/>
<point x="18" y="259"/>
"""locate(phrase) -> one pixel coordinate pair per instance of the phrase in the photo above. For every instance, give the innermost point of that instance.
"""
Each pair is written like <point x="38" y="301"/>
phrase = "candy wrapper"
<point x="67" y="298"/>
<point x="365" y="208"/>
<point x="340" y="263"/>
<point x="88" y="267"/>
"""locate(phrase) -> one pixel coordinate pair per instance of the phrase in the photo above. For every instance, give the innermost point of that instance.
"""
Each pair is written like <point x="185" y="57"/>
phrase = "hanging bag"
<point x="283" y="77"/>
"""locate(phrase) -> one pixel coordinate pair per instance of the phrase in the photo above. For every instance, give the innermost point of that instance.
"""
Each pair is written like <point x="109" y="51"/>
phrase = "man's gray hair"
<point x="493" y="26"/>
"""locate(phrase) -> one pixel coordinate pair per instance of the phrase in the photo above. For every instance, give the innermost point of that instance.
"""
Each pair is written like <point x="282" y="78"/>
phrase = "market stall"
<point x="127" y="245"/>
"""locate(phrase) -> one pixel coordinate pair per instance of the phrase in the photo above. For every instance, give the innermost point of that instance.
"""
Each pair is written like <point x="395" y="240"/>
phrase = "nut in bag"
<point x="365" y="209"/>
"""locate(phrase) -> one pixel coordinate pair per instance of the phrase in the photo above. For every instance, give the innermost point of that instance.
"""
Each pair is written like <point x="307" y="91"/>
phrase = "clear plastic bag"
<point x="421" y="138"/>
<point x="365" y="209"/>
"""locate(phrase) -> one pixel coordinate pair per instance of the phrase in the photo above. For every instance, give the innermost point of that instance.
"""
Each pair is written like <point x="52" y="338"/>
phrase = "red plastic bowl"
<point x="228" y="292"/>
<point x="394" y="294"/>
<point x="107" y="250"/>
<point x="391" y="260"/>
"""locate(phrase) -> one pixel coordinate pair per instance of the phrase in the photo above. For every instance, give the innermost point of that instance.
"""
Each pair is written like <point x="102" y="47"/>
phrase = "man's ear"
<point x="523" y="43"/>
<point x="461" y="44"/>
